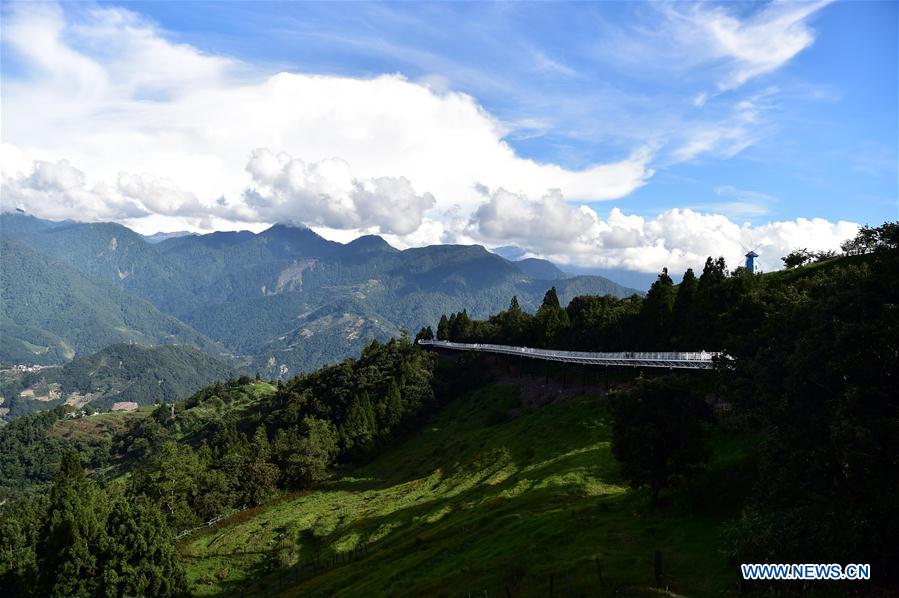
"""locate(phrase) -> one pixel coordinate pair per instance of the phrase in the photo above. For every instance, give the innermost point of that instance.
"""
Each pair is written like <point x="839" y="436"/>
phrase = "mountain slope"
<point x="118" y="373"/>
<point x="256" y="293"/>
<point x="490" y="497"/>
<point x="108" y="253"/>
<point x="51" y="312"/>
<point x="541" y="269"/>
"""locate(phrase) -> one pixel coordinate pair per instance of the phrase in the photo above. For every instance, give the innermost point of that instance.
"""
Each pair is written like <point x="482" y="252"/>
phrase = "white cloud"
<point x="755" y="46"/>
<point x="109" y="120"/>
<point x="159" y="195"/>
<point x="107" y="92"/>
<point x="677" y="238"/>
<point x="739" y="202"/>
<point x="733" y="44"/>
<point x="58" y="190"/>
<point x="327" y="194"/>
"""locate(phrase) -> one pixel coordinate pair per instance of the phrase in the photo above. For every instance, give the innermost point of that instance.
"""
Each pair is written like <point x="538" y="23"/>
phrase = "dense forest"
<point x="814" y="358"/>
<point x="814" y="364"/>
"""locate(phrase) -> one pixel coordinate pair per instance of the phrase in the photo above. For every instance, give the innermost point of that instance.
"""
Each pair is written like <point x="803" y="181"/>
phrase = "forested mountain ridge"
<point x="51" y="312"/>
<point x="119" y="373"/>
<point x="286" y="300"/>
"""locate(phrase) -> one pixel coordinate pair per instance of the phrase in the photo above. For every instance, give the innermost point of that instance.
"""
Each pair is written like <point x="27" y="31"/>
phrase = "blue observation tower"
<point x="750" y="261"/>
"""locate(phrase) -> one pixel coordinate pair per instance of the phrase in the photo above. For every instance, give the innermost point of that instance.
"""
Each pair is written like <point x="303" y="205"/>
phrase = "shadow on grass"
<point x="526" y="521"/>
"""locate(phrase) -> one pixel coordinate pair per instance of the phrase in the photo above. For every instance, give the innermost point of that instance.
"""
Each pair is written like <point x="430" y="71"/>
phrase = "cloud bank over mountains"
<point x="105" y="118"/>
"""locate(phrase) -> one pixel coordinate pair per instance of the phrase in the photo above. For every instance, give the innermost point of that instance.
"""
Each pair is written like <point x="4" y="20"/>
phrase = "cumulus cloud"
<point x="676" y="239"/>
<point x="105" y="90"/>
<point x="547" y="222"/>
<point x="106" y="119"/>
<point x="159" y="195"/>
<point x="59" y="190"/>
<point x="326" y="193"/>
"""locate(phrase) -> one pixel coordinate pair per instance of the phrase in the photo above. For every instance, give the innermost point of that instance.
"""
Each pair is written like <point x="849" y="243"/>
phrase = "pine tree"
<point x="359" y="428"/>
<point x="260" y="477"/>
<point x="391" y="409"/>
<point x="551" y="299"/>
<point x="73" y="533"/>
<point x="550" y="323"/>
<point x="684" y="307"/>
<point x="655" y="315"/>
<point x="139" y="557"/>
<point x="711" y="301"/>
<point x="443" y="329"/>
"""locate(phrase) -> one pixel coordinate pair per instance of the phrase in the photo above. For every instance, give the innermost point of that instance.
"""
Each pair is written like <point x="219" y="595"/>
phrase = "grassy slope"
<point x="461" y="506"/>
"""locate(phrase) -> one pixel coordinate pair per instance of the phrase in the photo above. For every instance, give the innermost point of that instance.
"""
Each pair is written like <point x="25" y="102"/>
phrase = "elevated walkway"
<point x="701" y="360"/>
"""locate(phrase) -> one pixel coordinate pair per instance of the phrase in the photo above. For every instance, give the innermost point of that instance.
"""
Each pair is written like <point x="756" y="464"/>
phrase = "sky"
<point x="615" y="135"/>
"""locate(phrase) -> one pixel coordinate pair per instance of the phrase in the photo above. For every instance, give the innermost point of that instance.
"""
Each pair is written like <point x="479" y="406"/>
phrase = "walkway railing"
<point x="701" y="360"/>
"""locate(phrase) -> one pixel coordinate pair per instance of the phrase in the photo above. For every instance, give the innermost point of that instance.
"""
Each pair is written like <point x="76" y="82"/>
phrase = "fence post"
<point x="550" y="585"/>
<point x="598" y="571"/>
<point x="657" y="564"/>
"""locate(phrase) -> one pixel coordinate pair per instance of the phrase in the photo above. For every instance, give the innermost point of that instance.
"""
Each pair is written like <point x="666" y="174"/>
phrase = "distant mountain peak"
<point x="289" y="224"/>
<point x="368" y="243"/>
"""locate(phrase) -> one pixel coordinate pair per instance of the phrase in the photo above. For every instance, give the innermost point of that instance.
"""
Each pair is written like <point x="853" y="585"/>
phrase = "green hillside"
<point x="118" y="373"/>
<point x="51" y="312"/>
<point x="489" y="496"/>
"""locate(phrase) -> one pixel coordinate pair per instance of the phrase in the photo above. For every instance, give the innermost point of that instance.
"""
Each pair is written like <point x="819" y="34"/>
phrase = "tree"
<point x="684" y="305"/>
<point x="425" y="334"/>
<point x="512" y="323"/>
<point x="796" y="258"/>
<point x="19" y="526"/>
<point x="711" y="304"/>
<point x="870" y="239"/>
<point x="260" y="477"/>
<point x="550" y="299"/>
<point x="73" y="533"/>
<point x="460" y="326"/>
<point x="550" y="323"/>
<point x="307" y="451"/>
<point x="655" y="315"/>
<point x="359" y="430"/>
<point x="390" y="409"/>
<point x="658" y="432"/>
<point x="169" y="477"/>
<point x="443" y="329"/>
<point x="818" y="373"/>
<point x="139" y="557"/>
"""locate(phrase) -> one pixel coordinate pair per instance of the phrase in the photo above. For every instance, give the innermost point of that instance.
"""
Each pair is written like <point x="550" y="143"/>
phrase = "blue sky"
<point x="635" y="128"/>
<point x="830" y="143"/>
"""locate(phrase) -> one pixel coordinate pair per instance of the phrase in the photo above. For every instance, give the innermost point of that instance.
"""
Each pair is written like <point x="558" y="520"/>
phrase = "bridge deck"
<point x="694" y="361"/>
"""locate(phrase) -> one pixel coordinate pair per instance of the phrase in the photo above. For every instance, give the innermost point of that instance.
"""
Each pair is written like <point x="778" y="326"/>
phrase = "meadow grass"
<point x="486" y="498"/>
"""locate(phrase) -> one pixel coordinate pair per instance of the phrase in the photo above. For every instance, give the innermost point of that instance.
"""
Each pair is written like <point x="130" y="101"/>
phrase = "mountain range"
<point x="279" y="302"/>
